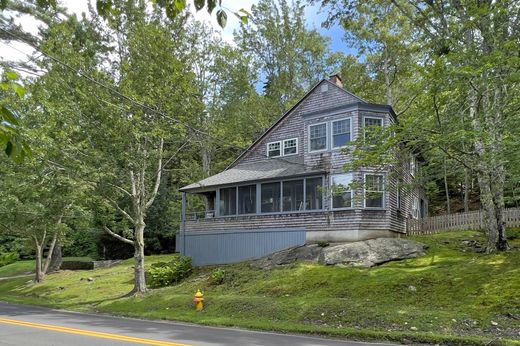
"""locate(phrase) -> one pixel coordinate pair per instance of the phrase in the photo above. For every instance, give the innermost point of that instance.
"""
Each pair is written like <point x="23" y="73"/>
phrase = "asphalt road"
<point x="34" y="326"/>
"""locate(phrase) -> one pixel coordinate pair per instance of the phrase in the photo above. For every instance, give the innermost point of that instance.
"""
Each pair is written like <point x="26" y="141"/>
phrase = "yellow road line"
<point x="89" y="333"/>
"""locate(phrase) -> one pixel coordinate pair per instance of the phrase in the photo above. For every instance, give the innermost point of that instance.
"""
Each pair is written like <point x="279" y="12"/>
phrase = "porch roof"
<point x="249" y="172"/>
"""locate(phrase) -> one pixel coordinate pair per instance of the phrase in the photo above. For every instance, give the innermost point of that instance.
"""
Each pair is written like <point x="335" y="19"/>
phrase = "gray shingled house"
<point x="290" y="186"/>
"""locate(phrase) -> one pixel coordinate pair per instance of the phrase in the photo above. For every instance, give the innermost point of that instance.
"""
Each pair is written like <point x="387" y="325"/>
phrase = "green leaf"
<point x="12" y="75"/>
<point x="8" y="115"/>
<point x="211" y="5"/>
<point x="245" y="12"/>
<point x="222" y="18"/>
<point x="19" y="89"/>
<point x="199" y="4"/>
<point x="180" y="4"/>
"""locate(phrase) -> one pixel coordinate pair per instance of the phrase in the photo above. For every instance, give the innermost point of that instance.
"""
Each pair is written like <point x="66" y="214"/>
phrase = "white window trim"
<point x="283" y="146"/>
<point x="326" y="137"/>
<point x="332" y="135"/>
<point x="365" y="190"/>
<point x="351" y="193"/>
<point x="382" y="119"/>
<point x="281" y="149"/>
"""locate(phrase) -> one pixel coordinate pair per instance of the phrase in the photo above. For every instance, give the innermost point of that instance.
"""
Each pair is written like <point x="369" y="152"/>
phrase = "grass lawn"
<point x="27" y="267"/>
<point x="460" y="297"/>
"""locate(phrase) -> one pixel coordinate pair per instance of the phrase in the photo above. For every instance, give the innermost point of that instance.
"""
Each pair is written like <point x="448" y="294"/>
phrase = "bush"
<point x="218" y="276"/>
<point x="8" y="258"/>
<point x="166" y="273"/>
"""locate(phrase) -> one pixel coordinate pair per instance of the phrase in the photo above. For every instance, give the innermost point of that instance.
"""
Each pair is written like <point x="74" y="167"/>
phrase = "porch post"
<point x="183" y="225"/>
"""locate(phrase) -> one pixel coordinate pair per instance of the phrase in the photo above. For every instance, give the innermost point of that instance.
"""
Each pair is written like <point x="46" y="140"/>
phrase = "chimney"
<point x="336" y="79"/>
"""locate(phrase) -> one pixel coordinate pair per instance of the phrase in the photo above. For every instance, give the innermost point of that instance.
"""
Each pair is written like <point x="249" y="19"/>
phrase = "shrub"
<point x="8" y="258"/>
<point x="166" y="273"/>
<point x="323" y="244"/>
<point x="218" y="276"/>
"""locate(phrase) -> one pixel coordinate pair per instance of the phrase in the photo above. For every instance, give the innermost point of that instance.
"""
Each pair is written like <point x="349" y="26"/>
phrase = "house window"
<point x="341" y="191"/>
<point x="247" y="199"/>
<point x="340" y="133"/>
<point x="318" y="137"/>
<point x="412" y="166"/>
<point x="415" y="207"/>
<point x="273" y="149"/>
<point x="374" y="193"/>
<point x="371" y="126"/>
<point x="270" y="197"/>
<point x="313" y="196"/>
<point x="228" y="201"/>
<point x="292" y="195"/>
<point x="290" y="146"/>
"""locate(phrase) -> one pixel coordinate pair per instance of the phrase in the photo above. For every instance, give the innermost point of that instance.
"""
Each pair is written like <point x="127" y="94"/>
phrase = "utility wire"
<point x="142" y="105"/>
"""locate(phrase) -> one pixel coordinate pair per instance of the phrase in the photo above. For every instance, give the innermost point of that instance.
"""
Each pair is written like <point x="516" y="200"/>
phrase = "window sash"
<point x="341" y="133"/>
<point x="318" y="137"/>
<point x="374" y="191"/>
<point x="369" y="125"/>
<point x="341" y="191"/>
<point x="274" y="149"/>
<point x="290" y="146"/>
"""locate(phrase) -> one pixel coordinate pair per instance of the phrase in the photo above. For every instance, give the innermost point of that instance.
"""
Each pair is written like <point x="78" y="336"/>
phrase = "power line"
<point x="144" y="106"/>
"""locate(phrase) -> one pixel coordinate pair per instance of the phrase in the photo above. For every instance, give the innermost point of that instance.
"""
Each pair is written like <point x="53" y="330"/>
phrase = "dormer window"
<point x="290" y="146"/>
<point x="273" y="149"/>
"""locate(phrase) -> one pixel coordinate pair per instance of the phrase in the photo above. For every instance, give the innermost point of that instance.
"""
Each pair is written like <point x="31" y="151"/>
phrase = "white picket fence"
<point x="458" y="221"/>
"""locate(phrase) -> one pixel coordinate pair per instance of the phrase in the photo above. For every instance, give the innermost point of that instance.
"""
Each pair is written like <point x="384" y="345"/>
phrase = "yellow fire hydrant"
<point x="199" y="300"/>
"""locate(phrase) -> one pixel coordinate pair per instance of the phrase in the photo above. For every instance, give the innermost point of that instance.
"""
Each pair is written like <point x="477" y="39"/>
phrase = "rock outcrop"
<point x="367" y="253"/>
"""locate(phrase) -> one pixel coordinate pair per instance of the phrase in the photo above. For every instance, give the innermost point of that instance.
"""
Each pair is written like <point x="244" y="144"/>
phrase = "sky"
<point x="314" y="18"/>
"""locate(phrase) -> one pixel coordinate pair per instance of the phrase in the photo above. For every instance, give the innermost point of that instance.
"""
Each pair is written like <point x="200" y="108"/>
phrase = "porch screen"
<point x="313" y="197"/>
<point x="292" y="195"/>
<point x="247" y="199"/>
<point x="270" y="197"/>
<point x="228" y="201"/>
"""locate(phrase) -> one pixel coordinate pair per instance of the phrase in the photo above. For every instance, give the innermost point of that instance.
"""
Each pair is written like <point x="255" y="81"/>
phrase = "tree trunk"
<point x="39" y="254"/>
<point x="51" y="251"/>
<point x="466" y="190"/>
<point x="139" y="271"/>
<point x="446" y="189"/>
<point x="56" y="259"/>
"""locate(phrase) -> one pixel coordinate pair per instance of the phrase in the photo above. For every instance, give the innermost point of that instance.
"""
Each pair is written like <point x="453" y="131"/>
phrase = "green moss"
<point x="458" y="293"/>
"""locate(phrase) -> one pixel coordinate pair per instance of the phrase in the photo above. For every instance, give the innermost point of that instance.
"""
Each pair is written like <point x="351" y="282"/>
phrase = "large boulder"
<point x="371" y="252"/>
<point x="305" y="252"/>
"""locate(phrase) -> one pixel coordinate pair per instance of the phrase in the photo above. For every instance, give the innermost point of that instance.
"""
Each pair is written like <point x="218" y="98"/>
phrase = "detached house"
<point x="290" y="186"/>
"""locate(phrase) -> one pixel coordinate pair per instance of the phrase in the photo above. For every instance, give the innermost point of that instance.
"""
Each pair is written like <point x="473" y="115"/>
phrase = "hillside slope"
<point x="453" y="296"/>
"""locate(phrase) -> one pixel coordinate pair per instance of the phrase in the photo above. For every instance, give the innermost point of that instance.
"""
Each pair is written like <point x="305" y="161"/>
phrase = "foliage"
<point x="167" y="273"/>
<point x="11" y="141"/>
<point x="8" y="258"/>
<point x="218" y="276"/>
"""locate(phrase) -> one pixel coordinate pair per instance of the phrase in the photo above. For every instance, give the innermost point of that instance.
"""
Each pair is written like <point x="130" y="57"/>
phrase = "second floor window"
<point x="318" y="137"/>
<point x="290" y="146"/>
<point x="371" y="129"/>
<point x="273" y="149"/>
<point x="340" y="133"/>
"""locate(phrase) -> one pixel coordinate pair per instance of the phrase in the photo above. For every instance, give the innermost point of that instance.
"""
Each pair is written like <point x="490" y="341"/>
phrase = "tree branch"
<point x="125" y="214"/>
<point x="117" y="236"/>
<point x="157" y="178"/>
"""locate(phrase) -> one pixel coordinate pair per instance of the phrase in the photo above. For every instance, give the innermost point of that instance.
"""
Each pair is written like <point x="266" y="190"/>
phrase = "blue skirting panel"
<point x="206" y="248"/>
